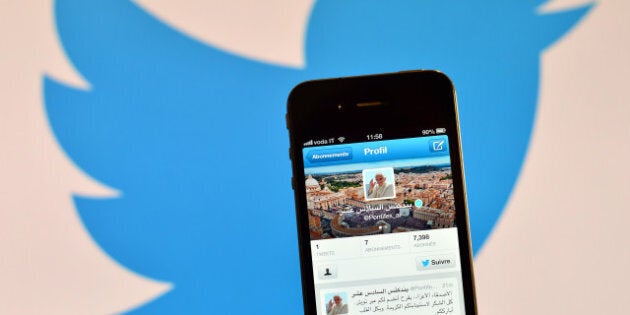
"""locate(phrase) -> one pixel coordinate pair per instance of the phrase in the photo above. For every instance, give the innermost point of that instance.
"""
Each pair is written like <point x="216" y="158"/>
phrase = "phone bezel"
<point x="408" y="101"/>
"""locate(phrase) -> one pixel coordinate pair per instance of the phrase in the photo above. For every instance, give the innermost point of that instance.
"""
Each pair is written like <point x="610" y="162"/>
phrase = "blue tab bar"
<point x="376" y="151"/>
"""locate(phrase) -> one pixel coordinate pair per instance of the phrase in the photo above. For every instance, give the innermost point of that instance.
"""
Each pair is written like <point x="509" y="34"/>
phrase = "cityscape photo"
<point x="337" y="205"/>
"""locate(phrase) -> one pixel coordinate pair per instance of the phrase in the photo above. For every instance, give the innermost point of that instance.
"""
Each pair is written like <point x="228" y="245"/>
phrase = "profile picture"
<point x="336" y="303"/>
<point x="378" y="183"/>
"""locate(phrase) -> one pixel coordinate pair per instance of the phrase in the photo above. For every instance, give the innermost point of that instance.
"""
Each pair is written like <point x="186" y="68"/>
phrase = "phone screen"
<point x="382" y="226"/>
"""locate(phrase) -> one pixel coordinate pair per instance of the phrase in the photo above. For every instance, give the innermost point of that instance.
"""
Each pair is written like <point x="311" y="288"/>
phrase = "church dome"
<point x="311" y="184"/>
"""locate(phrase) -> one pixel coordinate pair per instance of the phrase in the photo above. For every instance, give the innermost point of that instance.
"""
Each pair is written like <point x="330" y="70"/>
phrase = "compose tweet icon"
<point x="438" y="145"/>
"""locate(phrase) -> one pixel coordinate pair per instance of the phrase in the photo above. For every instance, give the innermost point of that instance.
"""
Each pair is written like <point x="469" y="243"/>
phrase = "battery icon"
<point x="440" y="130"/>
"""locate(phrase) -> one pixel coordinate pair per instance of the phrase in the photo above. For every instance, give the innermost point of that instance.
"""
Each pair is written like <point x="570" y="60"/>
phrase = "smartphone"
<point x="380" y="198"/>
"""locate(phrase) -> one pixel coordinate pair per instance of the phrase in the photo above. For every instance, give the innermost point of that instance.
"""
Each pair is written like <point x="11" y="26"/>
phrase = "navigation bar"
<point x="398" y="149"/>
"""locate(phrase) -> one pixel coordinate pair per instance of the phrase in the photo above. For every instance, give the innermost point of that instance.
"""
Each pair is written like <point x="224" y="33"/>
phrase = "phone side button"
<point x="293" y="182"/>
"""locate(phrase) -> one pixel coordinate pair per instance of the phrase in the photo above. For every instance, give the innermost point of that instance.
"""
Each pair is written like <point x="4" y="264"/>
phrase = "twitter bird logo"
<point x="194" y="139"/>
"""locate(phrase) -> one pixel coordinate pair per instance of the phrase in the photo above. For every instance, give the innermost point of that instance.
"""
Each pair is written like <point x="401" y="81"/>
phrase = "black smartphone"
<point x="380" y="195"/>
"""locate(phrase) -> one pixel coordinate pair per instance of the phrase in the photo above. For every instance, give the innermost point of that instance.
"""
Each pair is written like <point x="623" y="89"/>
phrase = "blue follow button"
<point x="329" y="155"/>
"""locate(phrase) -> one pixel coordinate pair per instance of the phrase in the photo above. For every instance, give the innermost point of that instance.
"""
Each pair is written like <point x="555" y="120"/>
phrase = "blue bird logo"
<point x="194" y="137"/>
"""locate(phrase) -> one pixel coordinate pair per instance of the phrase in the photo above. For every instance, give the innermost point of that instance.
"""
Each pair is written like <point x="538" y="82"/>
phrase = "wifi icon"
<point x="341" y="139"/>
